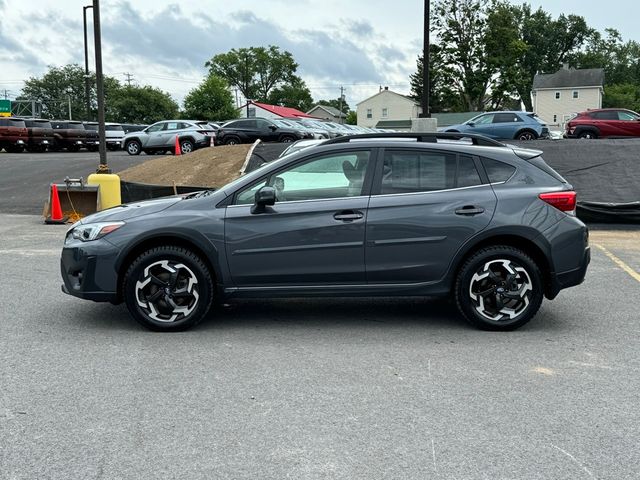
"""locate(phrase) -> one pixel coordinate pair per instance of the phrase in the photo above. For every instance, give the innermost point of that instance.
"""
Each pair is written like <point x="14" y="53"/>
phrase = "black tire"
<point x="526" y="135"/>
<point x="14" y="148"/>
<point x="113" y="148"/>
<point x="588" y="134"/>
<point x="286" y="139"/>
<point x="149" y="282"/>
<point x="186" y="146"/>
<point x="92" y="149"/>
<point x="73" y="148"/>
<point x="509" y="300"/>
<point x="232" y="141"/>
<point x="133" y="147"/>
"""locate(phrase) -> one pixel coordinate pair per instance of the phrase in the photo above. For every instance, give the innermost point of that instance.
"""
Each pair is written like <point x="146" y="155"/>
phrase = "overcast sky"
<point x="360" y="44"/>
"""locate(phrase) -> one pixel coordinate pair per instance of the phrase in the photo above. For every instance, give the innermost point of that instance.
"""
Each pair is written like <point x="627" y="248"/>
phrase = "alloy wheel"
<point x="133" y="148"/>
<point x="186" y="147"/>
<point x="501" y="290"/>
<point x="167" y="291"/>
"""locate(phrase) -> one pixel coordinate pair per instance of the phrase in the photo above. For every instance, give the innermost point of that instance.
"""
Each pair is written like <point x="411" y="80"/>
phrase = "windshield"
<point x="38" y="124"/>
<point x="17" y="123"/>
<point x="91" y="126"/>
<point x="75" y="126"/>
<point x="113" y="128"/>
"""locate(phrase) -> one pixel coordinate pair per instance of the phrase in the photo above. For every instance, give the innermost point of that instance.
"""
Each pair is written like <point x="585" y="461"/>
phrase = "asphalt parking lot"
<point x="323" y="388"/>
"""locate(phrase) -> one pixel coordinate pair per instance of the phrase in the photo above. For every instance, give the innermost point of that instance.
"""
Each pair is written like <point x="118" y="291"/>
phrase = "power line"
<point x="129" y="78"/>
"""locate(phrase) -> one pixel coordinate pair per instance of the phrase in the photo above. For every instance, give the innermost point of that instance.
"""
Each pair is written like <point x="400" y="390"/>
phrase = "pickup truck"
<point x="69" y="134"/>
<point x="40" y="134"/>
<point x="13" y="134"/>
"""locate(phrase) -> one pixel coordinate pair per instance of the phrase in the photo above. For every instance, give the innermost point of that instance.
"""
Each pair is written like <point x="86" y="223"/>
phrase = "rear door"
<point x="424" y="206"/>
<point x="505" y="125"/>
<point x="313" y="235"/>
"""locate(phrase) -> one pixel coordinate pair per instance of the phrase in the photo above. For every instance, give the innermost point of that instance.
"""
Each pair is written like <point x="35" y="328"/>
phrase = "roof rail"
<point x="478" y="140"/>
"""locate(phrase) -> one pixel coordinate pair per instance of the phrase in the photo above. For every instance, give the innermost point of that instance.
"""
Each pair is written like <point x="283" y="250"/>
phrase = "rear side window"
<point x="506" y="118"/>
<point x="408" y="172"/>
<point x="497" y="171"/>
<point x="467" y="173"/>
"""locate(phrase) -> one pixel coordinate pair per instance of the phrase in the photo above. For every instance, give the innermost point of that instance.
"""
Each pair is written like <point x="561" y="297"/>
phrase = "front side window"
<point x="263" y="124"/>
<point x="332" y="176"/>
<point x="155" y="128"/>
<point x="483" y="119"/>
<point x="627" y="116"/>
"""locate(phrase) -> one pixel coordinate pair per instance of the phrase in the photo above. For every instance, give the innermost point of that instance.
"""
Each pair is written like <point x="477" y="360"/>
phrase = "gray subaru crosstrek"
<point x="418" y="214"/>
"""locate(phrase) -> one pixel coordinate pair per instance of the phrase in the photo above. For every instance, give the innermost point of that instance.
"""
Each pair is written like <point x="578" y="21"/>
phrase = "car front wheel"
<point x="168" y="289"/>
<point x="186" y="146"/>
<point x="499" y="288"/>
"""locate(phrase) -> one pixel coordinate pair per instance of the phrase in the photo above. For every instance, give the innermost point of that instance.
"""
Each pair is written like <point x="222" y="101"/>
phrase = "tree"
<point x="352" y="118"/>
<point x="295" y="95"/>
<point x="132" y="104"/>
<point x="442" y="98"/>
<point x="625" y="95"/>
<point x="255" y="71"/>
<point x="534" y="43"/>
<point x="335" y="103"/>
<point x="211" y="100"/>
<point x="54" y="88"/>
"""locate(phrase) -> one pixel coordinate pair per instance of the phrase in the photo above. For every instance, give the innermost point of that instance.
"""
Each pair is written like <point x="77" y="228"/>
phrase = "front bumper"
<point x="88" y="270"/>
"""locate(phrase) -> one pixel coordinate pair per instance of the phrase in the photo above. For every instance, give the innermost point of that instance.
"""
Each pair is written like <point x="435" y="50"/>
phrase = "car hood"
<point x="132" y="210"/>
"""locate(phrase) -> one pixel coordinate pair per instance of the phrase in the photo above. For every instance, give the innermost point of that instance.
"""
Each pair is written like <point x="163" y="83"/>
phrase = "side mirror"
<point x="273" y="128"/>
<point x="471" y="124"/>
<point x="264" y="197"/>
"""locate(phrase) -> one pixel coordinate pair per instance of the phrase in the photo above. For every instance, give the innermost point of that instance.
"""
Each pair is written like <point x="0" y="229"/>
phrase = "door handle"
<point x="348" y="215"/>
<point x="469" y="210"/>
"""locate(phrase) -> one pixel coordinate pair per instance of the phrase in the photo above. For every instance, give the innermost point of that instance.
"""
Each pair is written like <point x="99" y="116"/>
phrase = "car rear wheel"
<point x="168" y="289"/>
<point x="499" y="288"/>
<point x="186" y="146"/>
<point x="526" y="135"/>
<point x="133" y="147"/>
<point x="287" y="139"/>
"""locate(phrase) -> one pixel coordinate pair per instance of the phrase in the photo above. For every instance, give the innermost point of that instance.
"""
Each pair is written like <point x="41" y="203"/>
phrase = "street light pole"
<point x="97" y="34"/>
<point x="425" y="62"/>
<point x="86" y="63"/>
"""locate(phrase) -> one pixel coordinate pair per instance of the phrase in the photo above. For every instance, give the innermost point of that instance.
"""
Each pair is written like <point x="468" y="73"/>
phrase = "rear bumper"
<point x="560" y="281"/>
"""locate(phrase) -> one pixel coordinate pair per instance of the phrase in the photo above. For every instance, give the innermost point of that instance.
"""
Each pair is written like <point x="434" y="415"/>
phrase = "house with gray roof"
<point x="327" y="113"/>
<point x="557" y="97"/>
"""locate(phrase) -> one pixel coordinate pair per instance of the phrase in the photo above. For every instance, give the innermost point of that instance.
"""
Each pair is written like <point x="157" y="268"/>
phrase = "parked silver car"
<point x="113" y="133"/>
<point x="161" y="136"/>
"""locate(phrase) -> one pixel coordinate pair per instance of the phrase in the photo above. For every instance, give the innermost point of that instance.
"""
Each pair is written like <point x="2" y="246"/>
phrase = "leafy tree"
<point x="352" y="118"/>
<point x="625" y="95"/>
<point x="442" y="97"/>
<point x="54" y="88"/>
<point x="295" y="94"/>
<point x="532" y="42"/>
<point x="211" y="100"/>
<point x="335" y="103"/>
<point x="255" y="71"/>
<point x="132" y="104"/>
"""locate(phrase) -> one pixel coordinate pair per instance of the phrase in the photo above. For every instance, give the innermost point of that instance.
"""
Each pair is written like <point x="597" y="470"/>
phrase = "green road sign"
<point x="5" y="108"/>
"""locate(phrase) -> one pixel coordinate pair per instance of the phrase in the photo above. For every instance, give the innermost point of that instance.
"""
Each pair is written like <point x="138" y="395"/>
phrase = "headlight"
<point x="92" y="231"/>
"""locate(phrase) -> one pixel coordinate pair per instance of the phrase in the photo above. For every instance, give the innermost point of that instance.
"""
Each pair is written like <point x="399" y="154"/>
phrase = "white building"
<point x="387" y="108"/>
<point x="557" y="97"/>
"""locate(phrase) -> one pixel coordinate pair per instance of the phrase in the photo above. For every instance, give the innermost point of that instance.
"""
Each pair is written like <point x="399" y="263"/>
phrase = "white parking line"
<point x="619" y="262"/>
<point x="30" y="252"/>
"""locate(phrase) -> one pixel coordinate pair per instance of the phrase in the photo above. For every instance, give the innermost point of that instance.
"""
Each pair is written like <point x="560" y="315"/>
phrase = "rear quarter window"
<point x="497" y="171"/>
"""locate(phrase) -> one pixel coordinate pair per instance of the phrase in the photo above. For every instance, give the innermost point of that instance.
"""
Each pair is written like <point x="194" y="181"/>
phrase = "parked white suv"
<point x="161" y="137"/>
<point x="113" y="133"/>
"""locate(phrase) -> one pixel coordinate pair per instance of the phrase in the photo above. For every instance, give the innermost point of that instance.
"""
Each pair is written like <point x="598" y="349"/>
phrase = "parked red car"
<point x="13" y="134"/>
<point x="603" y="123"/>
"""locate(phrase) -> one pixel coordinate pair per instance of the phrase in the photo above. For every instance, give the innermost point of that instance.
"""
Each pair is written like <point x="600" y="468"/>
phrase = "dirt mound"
<point x="207" y="167"/>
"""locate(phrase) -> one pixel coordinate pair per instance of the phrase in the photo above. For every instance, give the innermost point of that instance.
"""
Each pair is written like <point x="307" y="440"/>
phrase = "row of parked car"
<point x="41" y="135"/>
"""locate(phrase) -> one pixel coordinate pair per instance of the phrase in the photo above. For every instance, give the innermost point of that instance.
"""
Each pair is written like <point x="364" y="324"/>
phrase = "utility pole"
<point x="97" y="34"/>
<point x="87" y="97"/>
<point x="5" y="94"/>
<point x="425" y="61"/>
<point x="129" y="78"/>
<point x="341" y="100"/>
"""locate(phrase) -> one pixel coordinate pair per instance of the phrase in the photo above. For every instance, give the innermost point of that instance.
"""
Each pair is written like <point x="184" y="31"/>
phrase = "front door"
<point x="424" y="206"/>
<point x="313" y="235"/>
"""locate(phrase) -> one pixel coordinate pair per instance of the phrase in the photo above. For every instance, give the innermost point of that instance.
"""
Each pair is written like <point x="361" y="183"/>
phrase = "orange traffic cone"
<point x="56" y="209"/>
<point x="177" y="147"/>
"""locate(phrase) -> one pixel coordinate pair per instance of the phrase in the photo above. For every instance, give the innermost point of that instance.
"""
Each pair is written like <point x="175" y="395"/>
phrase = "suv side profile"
<point x="251" y="129"/>
<point x="161" y="137"/>
<point x="604" y="123"/>
<point x="504" y="125"/>
<point x="13" y="134"/>
<point x="491" y="225"/>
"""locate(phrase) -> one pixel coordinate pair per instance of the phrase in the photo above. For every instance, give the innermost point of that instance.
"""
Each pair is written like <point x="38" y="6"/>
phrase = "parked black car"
<point x="489" y="224"/>
<point x="41" y="136"/>
<point x="251" y="129"/>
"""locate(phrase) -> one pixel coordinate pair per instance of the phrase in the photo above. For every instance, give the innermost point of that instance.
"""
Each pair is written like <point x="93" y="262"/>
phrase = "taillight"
<point x="563" y="201"/>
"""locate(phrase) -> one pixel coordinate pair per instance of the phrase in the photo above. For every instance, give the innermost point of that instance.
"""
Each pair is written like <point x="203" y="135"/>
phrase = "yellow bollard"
<point x="109" y="188"/>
